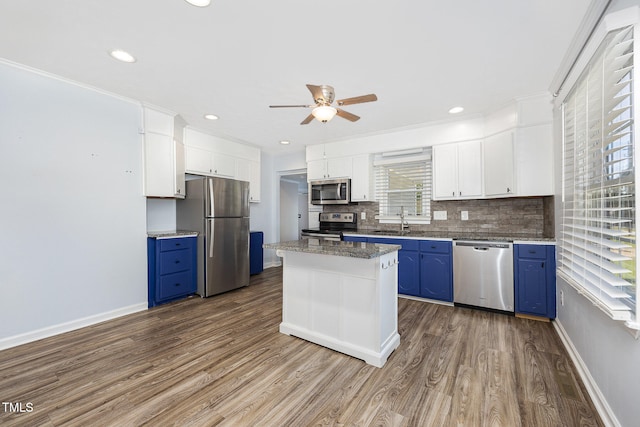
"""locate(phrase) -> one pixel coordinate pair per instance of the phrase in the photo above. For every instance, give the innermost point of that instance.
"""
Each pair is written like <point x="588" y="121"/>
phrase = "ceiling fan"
<point x="323" y="97"/>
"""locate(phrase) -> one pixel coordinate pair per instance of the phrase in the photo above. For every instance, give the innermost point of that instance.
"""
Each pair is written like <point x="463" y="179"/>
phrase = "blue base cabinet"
<point x="436" y="270"/>
<point x="172" y="269"/>
<point x="425" y="269"/>
<point x="256" y="253"/>
<point x="535" y="281"/>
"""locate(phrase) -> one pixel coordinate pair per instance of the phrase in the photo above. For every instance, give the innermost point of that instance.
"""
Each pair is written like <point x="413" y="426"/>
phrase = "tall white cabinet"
<point x="164" y="170"/>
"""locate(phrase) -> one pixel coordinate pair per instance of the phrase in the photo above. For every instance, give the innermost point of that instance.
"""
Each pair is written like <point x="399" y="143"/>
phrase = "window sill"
<point x="631" y="326"/>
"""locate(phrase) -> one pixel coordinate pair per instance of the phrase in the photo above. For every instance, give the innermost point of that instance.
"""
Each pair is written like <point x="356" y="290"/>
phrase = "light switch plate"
<point x="440" y="215"/>
<point x="464" y="215"/>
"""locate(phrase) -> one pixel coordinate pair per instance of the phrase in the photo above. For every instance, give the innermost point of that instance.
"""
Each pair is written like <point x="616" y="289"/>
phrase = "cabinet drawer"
<point x="173" y="244"/>
<point x="173" y="261"/>
<point x="435" y="246"/>
<point x="172" y="285"/>
<point x="532" y="251"/>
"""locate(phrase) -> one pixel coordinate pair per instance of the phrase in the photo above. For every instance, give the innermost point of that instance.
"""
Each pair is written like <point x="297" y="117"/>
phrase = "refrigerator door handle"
<point x="211" y="198"/>
<point x="211" y="239"/>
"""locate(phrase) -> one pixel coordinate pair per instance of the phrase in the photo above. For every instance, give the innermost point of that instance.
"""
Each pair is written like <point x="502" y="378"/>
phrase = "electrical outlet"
<point x="562" y="298"/>
<point x="363" y="215"/>
<point x="440" y="215"/>
<point x="464" y="215"/>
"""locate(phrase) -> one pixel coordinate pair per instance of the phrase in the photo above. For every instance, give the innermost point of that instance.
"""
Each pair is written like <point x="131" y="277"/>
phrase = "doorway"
<point x="294" y="205"/>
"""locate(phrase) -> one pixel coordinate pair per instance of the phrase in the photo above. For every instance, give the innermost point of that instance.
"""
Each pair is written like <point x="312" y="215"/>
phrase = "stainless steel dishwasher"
<point x="483" y="274"/>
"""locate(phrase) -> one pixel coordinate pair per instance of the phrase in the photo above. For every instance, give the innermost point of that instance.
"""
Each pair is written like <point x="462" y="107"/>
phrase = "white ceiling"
<point x="235" y="58"/>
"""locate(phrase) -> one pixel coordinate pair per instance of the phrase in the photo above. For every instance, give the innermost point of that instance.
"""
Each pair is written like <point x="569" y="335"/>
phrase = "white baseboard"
<point x="604" y="410"/>
<point x="272" y="264"/>
<point x="61" y="328"/>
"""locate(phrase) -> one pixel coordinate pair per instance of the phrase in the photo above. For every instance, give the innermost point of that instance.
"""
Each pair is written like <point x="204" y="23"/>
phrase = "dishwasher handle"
<point x="483" y="246"/>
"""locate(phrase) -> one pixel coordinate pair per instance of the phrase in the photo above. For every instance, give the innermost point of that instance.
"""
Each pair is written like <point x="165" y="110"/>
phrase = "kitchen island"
<point x="341" y="295"/>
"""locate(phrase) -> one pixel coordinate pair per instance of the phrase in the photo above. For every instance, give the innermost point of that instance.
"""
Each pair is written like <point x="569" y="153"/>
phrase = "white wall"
<point x="603" y="349"/>
<point x="72" y="215"/>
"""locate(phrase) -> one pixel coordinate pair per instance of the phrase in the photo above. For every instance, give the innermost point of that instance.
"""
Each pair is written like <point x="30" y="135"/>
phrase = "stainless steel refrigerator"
<point x="218" y="209"/>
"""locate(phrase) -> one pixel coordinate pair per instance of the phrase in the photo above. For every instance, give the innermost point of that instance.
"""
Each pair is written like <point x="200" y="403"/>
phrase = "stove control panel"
<point x="349" y="217"/>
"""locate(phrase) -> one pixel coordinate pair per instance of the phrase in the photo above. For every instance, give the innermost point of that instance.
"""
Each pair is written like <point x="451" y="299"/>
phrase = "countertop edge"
<point x="337" y="249"/>
<point x="160" y="235"/>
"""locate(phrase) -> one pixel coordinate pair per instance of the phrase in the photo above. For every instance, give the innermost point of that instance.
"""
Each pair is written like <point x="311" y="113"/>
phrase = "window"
<point x="403" y="182"/>
<point x="598" y="242"/>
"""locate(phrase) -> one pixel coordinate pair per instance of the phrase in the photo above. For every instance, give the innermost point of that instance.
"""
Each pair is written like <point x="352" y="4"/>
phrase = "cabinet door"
<point x="316" y="170"/>
<point x="159" y="165"/>
<point x="499" y="165"/>
<point x="362" y="179"/>
<point x="198" y="161"/>
<point x="445" y="173"/>
<point x="408" y="273"/>
<point x="436" y="281"/>
<point x="531" y="287"/>
<point x="223" y="165"/>
<point x="249" y="170"/>
<point x="255" y="182"/>
<point x="470" y="169"/>
<point x="339" y="167"/>
<point x="534" y="160"/>
<point x="179" y="184"/>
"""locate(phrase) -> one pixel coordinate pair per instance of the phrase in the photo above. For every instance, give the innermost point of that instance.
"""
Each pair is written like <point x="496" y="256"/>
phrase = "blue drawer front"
<point x="173" y="244"/>
<point x="435" y="246"/>
<point x="172" y="285"/>
<point x="532" y="251"/>
<point x="173" y="261"/>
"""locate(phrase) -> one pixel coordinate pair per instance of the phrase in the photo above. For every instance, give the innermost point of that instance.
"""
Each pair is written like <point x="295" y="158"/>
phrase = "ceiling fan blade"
<point x="347" y="115"/>
<point x="358" y="99"/>
<point x="291" y="106"/>
<point x="316" y="92"/>
<point x="307" y="120"/>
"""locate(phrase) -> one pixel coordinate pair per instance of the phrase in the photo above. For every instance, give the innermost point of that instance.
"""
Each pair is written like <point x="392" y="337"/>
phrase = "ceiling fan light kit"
<point x="323" y="97"/>
<point x="324" y="113"/>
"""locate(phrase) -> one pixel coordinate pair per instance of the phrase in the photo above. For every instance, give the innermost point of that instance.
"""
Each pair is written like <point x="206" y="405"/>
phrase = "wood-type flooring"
<point x="222" y="362"/>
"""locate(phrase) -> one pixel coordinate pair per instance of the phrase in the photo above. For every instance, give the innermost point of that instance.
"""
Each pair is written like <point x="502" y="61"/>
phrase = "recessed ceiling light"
<point x="285" y="142"/>
<point x="456" y="110"/>
<point x="122" y="55"/>
<point x="199" y="3"/>
<point x="211" y="117"/>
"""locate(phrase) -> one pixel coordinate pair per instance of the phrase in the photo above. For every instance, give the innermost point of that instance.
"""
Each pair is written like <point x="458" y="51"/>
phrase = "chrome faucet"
<point x="404" y="225"/>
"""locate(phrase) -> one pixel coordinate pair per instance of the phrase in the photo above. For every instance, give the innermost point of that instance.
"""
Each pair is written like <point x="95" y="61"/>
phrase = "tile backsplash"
<point x="523" y="216"/>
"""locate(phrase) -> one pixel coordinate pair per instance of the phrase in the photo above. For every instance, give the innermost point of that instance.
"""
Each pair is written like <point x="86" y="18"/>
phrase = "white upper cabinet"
<point x="339" y="167"/>
<point x="163" y="155"/>
<point x="499" y="172"/>
<point x="249" y="170"/>
<point x="534" y="160"/>
<point x="362" y="179"/>
<point x="457" y="170"/>
<point x="212" y="156"/>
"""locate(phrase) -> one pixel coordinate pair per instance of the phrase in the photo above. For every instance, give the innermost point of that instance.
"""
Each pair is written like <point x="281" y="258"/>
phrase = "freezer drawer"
<point x="226" y="255"/>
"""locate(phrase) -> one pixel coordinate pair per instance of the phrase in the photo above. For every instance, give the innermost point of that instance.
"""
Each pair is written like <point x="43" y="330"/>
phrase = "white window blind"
<point x="598" y="242"/>
<point x="404" y="182"/>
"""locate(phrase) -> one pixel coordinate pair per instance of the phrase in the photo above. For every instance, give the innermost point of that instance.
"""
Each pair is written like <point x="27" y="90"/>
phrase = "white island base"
<point x="343" y="303"/>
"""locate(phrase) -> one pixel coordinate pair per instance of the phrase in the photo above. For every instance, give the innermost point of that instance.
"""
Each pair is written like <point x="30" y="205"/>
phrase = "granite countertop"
<point x="171" y="234"/>
<point x="446" y="235"/>
<point x="327" y="247"/>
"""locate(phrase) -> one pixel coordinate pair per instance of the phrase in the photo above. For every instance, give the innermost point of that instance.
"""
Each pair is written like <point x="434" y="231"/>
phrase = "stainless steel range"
<point x="332" y="225"/>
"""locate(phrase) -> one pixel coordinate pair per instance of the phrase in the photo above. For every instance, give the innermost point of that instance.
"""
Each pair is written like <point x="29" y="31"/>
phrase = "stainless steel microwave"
<point x="330" y="192"/>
